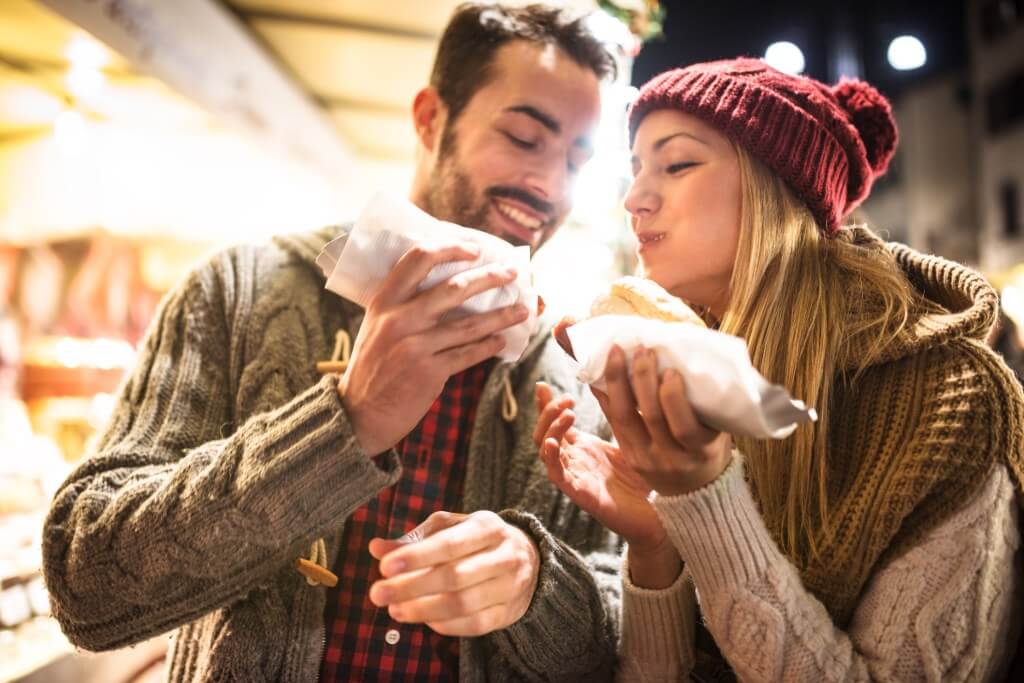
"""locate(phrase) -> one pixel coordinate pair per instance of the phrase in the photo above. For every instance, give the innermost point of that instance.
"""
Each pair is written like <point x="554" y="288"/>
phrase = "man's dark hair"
<point x="465" y="57"/>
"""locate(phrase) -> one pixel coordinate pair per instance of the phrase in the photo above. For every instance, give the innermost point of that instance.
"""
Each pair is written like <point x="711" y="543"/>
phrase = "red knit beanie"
<point x="828" y="143"/>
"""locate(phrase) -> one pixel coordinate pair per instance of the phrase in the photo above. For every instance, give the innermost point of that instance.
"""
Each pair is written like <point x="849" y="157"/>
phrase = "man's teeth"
<point x="518" y="216"/>
<point x="652" y="238"/>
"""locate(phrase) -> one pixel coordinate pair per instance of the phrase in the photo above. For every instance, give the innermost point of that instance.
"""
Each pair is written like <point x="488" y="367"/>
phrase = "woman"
<point x="880" y="541"/>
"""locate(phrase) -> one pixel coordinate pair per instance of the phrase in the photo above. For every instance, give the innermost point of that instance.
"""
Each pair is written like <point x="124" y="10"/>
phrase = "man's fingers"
<point x="414" y="265"/>
<point x="469" y="536"/>
<point x="478" y="624"/>
<point x="461" y="357"/>
<point x="455" y="576"/>
<point x="438" y="607"/>
<point x="379" y="547"/>
<point x="454" y="291"/>
<point x="474" y="327"/>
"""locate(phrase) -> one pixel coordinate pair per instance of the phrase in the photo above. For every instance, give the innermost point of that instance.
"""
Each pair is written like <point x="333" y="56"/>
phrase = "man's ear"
<point x="428" y="115"/>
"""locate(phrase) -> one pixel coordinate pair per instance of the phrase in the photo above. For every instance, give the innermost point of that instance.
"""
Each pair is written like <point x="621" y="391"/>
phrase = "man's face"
<point x="508" y="164"/>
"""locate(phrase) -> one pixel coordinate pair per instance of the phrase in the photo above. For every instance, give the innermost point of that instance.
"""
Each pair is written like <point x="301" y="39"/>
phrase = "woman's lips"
<point x="648" y="240"/>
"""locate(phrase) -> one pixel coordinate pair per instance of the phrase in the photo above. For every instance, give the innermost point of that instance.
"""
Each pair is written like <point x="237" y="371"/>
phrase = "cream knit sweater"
<point x="922" y="579"/>
<point x="946" y="610"/>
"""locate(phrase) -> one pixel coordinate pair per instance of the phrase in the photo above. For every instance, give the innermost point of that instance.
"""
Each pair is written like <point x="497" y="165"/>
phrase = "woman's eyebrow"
<point x="662" y="141"/>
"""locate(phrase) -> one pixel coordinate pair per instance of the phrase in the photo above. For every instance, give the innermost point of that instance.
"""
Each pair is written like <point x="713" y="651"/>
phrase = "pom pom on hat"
<point x="872" y="116"/>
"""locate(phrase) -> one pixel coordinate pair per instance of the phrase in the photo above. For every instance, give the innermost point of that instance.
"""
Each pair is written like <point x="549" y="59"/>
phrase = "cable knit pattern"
<point x="944" y="611"/>
<point x="657" y="629"/>
<point x="227" y="456"/>
<point x="927" y="427"/>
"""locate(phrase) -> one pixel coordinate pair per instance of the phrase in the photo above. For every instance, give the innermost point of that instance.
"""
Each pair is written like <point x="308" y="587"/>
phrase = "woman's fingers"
<point x="645" y="389"/>
<point x="561" y="334"/>
<point x="621" y="409"/>
<point x="549" y="409"/>
<point x="560" y="427"/>
<point x="682" y="422"/>
<point x="543" y="393"/>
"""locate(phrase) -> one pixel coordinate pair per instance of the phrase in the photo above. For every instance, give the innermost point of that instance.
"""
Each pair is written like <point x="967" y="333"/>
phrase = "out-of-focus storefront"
<point x="114" y="184"/>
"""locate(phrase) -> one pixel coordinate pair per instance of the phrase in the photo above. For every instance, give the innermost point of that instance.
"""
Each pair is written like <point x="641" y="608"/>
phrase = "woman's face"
<point x="685" y="207"/>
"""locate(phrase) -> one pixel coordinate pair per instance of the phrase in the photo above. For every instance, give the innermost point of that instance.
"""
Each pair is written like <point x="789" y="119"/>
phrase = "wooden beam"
<point x="206" y="53"/>
<point x="320" y="21"/>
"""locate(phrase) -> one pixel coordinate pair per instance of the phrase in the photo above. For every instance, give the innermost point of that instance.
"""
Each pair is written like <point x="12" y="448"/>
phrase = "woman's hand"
<point x="658" y="433"/>
<point x="593" y="473"/>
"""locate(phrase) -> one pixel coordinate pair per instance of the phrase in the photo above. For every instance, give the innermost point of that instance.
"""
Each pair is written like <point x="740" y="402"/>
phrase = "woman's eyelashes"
<point x="678" y="167"/>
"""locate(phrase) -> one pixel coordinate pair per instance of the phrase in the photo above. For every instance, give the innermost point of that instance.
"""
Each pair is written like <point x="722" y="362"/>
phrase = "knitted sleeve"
<point x="570" y="630"/>
<point x="943" y="610"/>
<point x="178" y="512"/>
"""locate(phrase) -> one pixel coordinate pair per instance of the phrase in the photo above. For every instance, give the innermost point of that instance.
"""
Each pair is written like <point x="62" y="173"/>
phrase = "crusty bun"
<point x="637" y="296"/>
<point x="632" y="296"/>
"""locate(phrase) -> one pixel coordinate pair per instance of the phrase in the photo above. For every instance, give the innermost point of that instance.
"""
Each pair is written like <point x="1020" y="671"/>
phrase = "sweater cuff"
<point x="566" y="628"/>
<point x="658" y="625"/>
<point x="308" y="470"/>
<point x="719" y="532"/>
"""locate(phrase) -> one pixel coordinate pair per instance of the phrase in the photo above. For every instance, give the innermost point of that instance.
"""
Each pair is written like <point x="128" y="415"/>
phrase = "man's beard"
<point x="451" y="196"/>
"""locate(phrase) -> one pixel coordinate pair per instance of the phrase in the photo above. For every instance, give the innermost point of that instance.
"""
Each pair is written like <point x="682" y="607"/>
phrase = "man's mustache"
<point x="537" y="204"/>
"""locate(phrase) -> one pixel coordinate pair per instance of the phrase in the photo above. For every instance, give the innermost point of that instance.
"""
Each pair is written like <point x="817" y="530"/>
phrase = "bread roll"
<point x="632" y="296"/>
<point x="637" y="296"/>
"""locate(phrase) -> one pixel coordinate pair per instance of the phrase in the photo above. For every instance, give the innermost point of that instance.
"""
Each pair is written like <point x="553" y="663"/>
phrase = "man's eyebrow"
<point x="545" y="120"/>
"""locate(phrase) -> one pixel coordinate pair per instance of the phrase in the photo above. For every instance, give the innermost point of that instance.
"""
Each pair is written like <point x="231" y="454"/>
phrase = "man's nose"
<point x="549" y="180"/>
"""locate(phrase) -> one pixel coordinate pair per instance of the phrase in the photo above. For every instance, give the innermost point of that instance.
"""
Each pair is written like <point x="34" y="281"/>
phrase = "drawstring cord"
<point x="314" y="568"/>
<point x="509" y="406"/>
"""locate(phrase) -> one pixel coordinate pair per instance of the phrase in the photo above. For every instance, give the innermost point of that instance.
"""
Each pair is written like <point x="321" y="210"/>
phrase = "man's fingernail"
<point x="395" y="567"/>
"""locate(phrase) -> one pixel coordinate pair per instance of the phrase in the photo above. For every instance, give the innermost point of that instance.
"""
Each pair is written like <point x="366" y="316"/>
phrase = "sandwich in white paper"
<point x="725" y="390"/>
<point x="356" y="263"/>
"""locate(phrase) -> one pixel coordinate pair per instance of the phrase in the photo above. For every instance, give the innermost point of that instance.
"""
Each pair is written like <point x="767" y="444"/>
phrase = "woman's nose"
<point x="641" y="200"/>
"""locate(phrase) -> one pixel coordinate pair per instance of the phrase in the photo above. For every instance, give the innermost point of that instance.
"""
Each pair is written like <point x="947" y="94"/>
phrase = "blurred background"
<point x="138" y="136"/>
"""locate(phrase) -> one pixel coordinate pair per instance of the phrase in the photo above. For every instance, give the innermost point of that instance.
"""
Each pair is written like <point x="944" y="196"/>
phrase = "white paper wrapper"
<point x="726" y="392"/>
<point x="355" y="264"/>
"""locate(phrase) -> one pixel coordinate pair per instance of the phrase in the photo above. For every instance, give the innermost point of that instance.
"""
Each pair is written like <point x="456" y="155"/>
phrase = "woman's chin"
<point x="668" y="284"/>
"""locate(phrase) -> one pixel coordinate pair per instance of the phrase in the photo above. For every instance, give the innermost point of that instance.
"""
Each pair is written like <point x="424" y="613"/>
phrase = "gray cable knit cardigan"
<point x="227" y="457"/>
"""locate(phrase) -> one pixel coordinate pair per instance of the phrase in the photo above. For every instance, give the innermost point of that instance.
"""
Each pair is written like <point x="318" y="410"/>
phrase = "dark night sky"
<point x="699" y="31"/>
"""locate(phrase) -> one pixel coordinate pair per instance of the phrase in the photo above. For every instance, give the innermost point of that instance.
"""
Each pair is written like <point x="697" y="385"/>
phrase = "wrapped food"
<point x="356" y="263"/>
<point x="726" y="391"/>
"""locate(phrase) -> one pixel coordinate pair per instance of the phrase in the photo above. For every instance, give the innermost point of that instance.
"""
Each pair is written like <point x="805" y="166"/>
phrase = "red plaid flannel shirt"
<point x="363" y="643"/>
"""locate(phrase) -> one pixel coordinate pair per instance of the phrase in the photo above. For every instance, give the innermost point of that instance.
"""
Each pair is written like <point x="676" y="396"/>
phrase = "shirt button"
<point x="392" y="636"/>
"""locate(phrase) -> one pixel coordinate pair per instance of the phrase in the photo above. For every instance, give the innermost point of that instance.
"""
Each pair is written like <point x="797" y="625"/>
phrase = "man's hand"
<point x="461" y="575"/>
<point x="403" y="354"/>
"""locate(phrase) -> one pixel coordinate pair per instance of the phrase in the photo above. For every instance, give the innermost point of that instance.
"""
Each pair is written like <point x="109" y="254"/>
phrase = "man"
<point x="226" y="458"/>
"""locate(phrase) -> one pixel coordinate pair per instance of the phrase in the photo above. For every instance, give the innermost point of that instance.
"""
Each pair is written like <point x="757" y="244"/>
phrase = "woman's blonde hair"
<point x="814" y="312"/>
